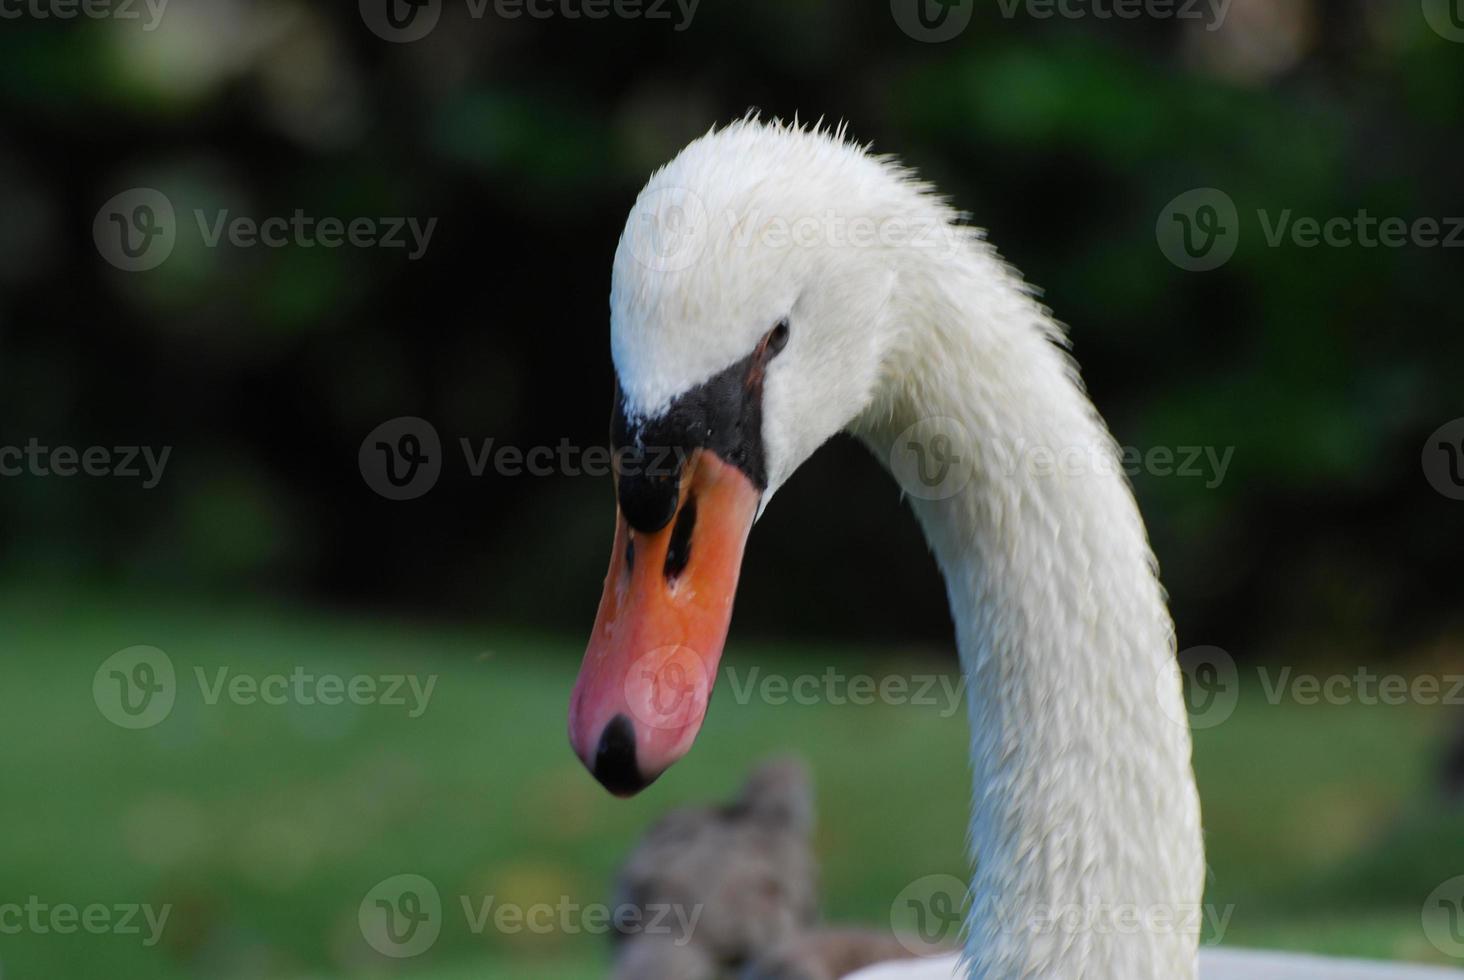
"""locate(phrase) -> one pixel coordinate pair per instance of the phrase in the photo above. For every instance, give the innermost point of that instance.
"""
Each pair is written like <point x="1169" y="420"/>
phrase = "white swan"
<point x="777" y="285"/>
<point x="1215" y="964"/>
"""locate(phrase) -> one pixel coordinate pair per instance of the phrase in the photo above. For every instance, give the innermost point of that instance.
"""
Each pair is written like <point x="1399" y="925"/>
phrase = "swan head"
<point x="751" y="320"/>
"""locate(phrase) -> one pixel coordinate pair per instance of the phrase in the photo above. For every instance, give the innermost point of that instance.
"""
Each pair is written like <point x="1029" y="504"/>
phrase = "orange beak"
<point x="647" y="675"/>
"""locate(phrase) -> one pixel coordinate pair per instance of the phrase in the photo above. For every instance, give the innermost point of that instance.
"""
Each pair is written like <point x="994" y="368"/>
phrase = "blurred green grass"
<point x="265" y="826"/>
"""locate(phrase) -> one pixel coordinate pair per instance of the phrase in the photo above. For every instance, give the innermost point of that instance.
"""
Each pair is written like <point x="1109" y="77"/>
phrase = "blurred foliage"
<point x="527" y="139"/>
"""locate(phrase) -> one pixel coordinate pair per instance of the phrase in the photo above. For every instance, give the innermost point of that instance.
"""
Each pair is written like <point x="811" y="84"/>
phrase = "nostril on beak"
<point x="615" y="763"/>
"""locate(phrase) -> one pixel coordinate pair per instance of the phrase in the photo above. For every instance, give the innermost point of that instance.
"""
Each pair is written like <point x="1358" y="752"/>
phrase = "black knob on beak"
<point x="615" y="763"/>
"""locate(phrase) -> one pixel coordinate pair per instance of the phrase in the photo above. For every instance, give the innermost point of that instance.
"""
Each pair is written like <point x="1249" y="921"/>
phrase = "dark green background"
<point x="1325" y="368"/>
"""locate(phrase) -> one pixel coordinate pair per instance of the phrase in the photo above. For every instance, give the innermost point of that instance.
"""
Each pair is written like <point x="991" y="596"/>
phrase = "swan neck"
<point x="1085" y="829"/>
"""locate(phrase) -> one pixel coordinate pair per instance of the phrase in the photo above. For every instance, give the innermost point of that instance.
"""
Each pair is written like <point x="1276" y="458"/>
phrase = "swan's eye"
<point x="778" y="338"/>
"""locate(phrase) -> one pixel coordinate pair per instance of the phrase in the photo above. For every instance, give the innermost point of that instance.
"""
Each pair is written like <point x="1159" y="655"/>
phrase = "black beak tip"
<point x="615" y="763"/>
